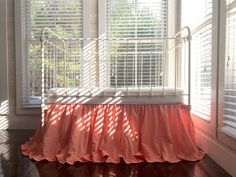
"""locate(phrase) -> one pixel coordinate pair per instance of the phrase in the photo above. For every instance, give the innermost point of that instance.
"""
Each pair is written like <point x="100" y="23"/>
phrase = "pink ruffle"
<point x="107" y="133"/>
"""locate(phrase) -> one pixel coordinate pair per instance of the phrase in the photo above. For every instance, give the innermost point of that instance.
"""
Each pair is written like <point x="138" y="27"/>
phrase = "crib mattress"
<point x="156" y="95"/>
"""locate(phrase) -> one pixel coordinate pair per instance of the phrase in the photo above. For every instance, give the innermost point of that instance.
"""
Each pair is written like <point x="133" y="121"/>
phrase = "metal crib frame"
<point x="61" y="45"/>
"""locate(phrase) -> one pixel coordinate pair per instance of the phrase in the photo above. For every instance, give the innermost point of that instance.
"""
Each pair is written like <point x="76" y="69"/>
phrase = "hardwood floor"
<point x="13" y="164"/>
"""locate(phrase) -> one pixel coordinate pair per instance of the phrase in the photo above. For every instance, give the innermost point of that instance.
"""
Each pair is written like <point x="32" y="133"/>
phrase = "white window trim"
<point x="20" y="64"/>
<point x="87" y="26"/>
<point x="4" y="96"/>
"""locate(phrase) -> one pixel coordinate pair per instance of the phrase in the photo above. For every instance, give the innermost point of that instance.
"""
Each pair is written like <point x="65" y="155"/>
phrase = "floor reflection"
<point x="46" y="169"/>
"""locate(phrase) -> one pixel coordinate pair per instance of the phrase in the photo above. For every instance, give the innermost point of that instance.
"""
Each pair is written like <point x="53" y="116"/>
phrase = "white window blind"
<point x="198" y="15"/>
<point x="230" y="70"/>
<point x="62" y="16"/>
<point x="135" y="62"/>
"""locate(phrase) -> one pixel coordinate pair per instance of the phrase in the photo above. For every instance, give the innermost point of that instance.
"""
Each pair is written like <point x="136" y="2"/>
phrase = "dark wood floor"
<point x="13" y="164"/>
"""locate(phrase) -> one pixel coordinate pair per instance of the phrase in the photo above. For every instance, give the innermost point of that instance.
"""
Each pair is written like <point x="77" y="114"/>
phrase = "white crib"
<point x="88" y="71"/>
<point x="105" y="104"/>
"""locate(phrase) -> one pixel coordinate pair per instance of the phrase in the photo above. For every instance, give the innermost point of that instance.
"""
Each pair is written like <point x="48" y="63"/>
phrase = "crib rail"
<point x="119" y="64"/>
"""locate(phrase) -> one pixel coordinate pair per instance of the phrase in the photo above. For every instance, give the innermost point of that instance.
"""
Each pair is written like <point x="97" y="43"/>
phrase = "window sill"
<point x="206" y="126"/>
<point x="229" y="131"/>
<point x="201" y="116"/>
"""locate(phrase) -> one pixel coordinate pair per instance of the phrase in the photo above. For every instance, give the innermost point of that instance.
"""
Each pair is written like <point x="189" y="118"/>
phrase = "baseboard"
<point x="220" y="153"/>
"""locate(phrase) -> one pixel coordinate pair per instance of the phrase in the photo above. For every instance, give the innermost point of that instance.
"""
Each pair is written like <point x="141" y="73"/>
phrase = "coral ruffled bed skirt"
<point x="109" y="133"/>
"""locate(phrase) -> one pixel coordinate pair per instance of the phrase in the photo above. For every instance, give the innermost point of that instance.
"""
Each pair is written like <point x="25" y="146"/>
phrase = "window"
<point x="133" y="60"/>
<point x="229" y="112"/>
<point x="136" y="19"/>
<point x="62" y="16"/>
<point x="198" y="15"/>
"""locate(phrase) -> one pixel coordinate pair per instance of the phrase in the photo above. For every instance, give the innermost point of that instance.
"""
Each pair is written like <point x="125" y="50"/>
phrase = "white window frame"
<point x="172" y="28"/>
<point x="4" y="96"/>
<point x="19" y="53"/>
